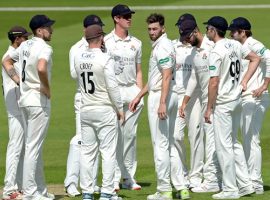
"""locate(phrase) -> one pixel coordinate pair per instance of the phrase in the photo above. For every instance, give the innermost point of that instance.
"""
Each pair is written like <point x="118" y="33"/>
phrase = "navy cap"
<point x="240" y="23"/>
<point x="40" y="21"/>
<point x="91" y="20"/>
<point x="218" y="22"/>
<point x="18" y="31"/>
<point x="121" y="10"/>
<point x="93" y="31"/>
<point x="186" y="28"/>
<point x="184" y="17"/>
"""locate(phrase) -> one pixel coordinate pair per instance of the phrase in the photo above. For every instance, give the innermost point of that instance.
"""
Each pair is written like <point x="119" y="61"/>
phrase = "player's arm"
<point x="43" y="76"/>
<point x="133" y="104"/>
<point x="8" y="66"/>
<point x="72" y="63"/>
<point x="182" y="108"/>
<point x="254" y="62"/>
<point x="139" y="77"/>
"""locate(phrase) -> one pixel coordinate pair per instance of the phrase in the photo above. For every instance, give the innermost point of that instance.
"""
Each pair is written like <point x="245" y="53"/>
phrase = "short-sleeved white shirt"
<point x="11" y="90"/>
<point x="127" y="54"/>
<point x="80" y="45"/>
<point x="95" y="72"/>
<point x="225" y="61"/>
<point x="258" y="77"/>
<point x="28" y="55"/>
<point x="200" y="71"/>
<point x="183" y="65"/>
<point x="162" y="57"/>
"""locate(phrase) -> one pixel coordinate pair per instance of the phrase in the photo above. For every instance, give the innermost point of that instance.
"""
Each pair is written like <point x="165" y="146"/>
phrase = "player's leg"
<point x="196" y="137"/>
<point x="119" y="158"/>
<point x="14" y="157"/>
<point x="37" y="125"/>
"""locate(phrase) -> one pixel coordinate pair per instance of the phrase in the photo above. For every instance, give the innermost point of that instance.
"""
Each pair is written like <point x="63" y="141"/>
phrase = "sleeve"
<point x="245" y="51"/>
<point x="14" y="55"/>
<point x="192" y="83"/>
<point x="139" y="54"/>
<point x="72" y="63"/>
<point x="165" y="56"/>
<point x="45" y="53"/>
<point x="215" y="61"/>
<point x="112" y="85"/>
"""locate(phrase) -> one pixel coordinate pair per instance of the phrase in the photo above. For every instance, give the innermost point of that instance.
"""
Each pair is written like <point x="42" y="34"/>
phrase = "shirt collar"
<point x="154" y="43"/>
<point x="117" y="38"/>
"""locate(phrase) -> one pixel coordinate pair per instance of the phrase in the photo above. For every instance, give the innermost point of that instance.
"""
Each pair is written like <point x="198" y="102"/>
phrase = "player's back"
<point x="90" y="65"/>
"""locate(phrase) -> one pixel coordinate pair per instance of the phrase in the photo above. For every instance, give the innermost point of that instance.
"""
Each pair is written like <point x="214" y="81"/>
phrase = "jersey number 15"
<point x="86" y="78"/>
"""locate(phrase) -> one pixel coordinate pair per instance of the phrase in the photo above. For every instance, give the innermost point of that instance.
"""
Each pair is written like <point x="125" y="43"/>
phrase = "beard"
<point x="195" y="42"/>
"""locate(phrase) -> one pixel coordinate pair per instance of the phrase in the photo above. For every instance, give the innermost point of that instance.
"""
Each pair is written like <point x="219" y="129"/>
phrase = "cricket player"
<point x="127" y="52"/>
<point x="255" y="100"/>
<point x="35" y="62"/>
<point x="15" y="153"/>
<point x="224" y="92"/>
<point x="184" y="67"/>
<point x="200" y="77"/>
<point x="162" y="103"/>
<point x="73" y="161"/>
<point x="101" y="104"/>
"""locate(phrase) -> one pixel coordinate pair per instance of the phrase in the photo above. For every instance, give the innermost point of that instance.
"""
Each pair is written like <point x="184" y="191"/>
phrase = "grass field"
<point x="68" y="30"/>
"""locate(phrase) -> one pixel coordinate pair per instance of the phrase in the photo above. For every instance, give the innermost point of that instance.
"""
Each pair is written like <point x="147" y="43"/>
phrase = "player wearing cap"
<point x="184" y="67"/>
<point x="73" y="161"/>
<point x="35" y="62"/>
<point x="127" y="52"/>
<point x="162" y="103"/>
<point x="200" y="77"/>
<point x="255" y="100"/>
<point x="100" y="107"/>
<point x="14" y="155"/>
<point x="224" y="92"/>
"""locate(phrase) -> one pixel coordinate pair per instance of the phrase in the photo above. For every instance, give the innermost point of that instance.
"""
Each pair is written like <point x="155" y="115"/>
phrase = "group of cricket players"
<point x="210" y="84"/>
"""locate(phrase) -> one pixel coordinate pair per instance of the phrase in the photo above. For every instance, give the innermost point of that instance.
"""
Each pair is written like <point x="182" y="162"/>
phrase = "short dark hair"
<point x="154" y="17"/>
<point x="248" y="33"/>
<point x="221" y="33"/>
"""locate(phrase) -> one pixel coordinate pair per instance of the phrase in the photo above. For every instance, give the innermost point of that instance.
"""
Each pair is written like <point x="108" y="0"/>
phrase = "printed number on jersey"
<point x="235" y="71"/>
<point x="88" y="84"/>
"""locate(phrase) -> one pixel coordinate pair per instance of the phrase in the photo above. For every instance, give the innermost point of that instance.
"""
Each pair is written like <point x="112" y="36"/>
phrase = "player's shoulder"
<point x="135" y="40"/>
<point x="108" y="37"/>
<point x="253" y="43"/>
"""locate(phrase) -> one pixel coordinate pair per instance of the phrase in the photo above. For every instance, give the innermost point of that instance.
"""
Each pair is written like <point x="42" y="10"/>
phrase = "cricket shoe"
<point x="40" y="197"/>
<point x="87" y="196"/>
<point x="104" y="196"/>
<point x="160" y="196"/>
<point x="130" y="185"/>
<point x="183" y="194"/>
<point x="97" y="189"/>
<point x="72" y="191"/>
<point x="246" y="191"/>
<point x="259" y="190"/>
<point x="205" y="188"/>
<point x="226" y="195"/>
<point x="14" y="195"/>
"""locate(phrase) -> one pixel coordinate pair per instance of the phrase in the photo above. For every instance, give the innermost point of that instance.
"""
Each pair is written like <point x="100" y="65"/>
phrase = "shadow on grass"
<point x="266" y="187"/>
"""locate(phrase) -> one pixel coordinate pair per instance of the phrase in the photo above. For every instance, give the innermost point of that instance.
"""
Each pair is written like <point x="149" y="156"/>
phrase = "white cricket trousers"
<point x="37" y="122"/>
<point x="179" y="171"/>
<point x="211" y="169"/>
<point x="14" y="155"/>
<point x="161" y="133"/>
<point x="73" y="159"/>
<point x="253" y="110"/>
<point x="99" y="133"/>
<point x="195" y="136"/>
<point x="126" y="155"/>
<point x="226" y="122"/>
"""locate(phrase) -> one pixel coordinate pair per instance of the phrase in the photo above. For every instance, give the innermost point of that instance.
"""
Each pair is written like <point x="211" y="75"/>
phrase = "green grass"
<point x="67" y="30"/>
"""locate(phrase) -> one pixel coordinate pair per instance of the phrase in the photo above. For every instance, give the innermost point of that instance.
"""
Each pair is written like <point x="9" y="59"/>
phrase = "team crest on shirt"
<point x="204" y="56"/>
<point x="132" y="48"/>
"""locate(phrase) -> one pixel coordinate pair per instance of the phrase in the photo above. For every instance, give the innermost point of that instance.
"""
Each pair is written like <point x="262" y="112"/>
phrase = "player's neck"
<point x="120" y="32"/>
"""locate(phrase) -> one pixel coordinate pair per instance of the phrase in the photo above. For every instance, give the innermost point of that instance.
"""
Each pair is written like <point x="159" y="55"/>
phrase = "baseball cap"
<point x="38" y="21"/>
<point x="93" y="31"/>
<point x="186" y="28"/>
<point x="184" y="17"/>
<point x="240" y="23"/>
<point x="218" y="22"/>
<point x="91" y="20"/>
<point x="18" y="31"/>
<point x="121" y="10"/>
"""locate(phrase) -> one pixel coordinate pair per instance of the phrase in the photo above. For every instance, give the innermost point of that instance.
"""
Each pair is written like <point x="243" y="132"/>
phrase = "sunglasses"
<point x="126" y="17"/>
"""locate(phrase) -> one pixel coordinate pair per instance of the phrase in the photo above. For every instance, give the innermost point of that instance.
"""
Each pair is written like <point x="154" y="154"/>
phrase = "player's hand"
<point x="258" y="92"/>
<point x="207" y="115"/>
<point x="244" y="86"/>
<point x="46" y="92"/>
<point x="133" y="104"/>
<point x="121" y="117"/>
<point x="162" y="111"/>
<point x="181" y="110"/>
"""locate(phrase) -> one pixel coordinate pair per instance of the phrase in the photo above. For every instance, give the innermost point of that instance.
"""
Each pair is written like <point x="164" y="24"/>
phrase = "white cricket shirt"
<point x="126" y="53"/>
<point x="28" y="55"/>
<point x="225" y="62"/>
<point x="95" y="71"/>
<point x="162" y="57"/>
